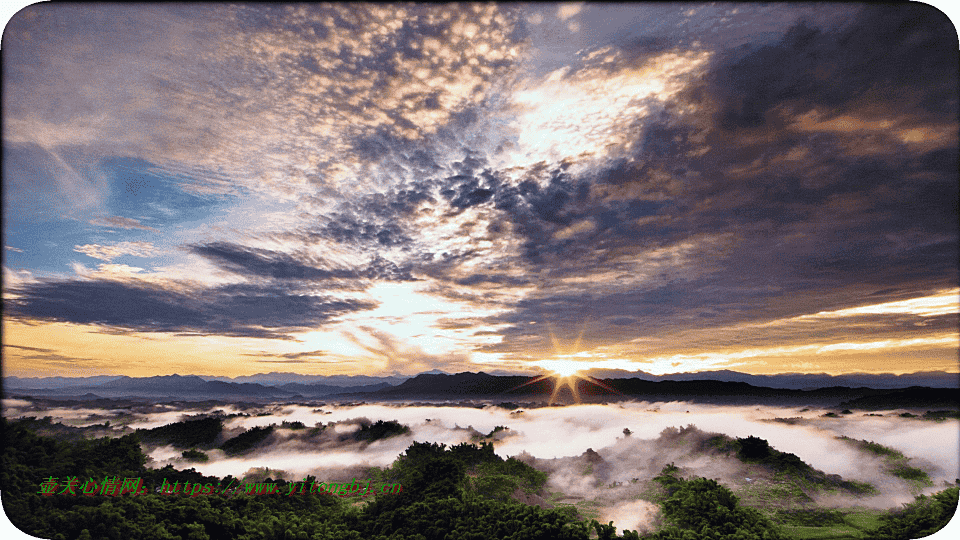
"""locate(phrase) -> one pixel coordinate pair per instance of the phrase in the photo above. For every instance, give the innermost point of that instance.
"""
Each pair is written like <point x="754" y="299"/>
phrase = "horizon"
<point x="579" y="374"/>
<point x="538" y="189"/>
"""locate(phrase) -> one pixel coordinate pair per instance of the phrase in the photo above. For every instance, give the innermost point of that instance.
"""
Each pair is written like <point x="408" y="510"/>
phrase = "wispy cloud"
<point x="110" y="252"/>
<point x="382" y="177"/>
<point x="120" y="222"/>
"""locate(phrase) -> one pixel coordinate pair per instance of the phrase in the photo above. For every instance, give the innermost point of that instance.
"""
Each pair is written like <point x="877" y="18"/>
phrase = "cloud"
<point x="266" y="263"/>
<point x="593" y="435"/>
<point x="717" y="194"/>
<point x="25" y="348"/>
<point x="110" y="252"/>
<point x="232" y="310"/>
<point x="322" y="85"/>
<point x="661" y="184"/>
<point x="42" y="182"/>
<point x="565" y="11"/>
<point x="398" y="357"/>
<point x="118" y="222"/>
<point x="42" y="360"/>
<point x="304" y="357"/>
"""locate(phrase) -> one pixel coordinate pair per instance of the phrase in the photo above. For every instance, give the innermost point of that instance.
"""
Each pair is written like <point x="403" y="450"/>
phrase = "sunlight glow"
<point x="945" y="303"/>
<point x="563" y="368"/>
<point x="586" y="112"/>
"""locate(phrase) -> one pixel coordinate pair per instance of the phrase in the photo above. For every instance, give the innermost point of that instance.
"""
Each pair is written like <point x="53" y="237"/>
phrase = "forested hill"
<point x="485" y="386"/>
<point x="465" y="492"/>
<point x="428" y="386"/>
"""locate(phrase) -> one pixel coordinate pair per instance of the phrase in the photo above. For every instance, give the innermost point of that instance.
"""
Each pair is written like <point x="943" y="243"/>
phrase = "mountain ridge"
<point x="470" y="385"/>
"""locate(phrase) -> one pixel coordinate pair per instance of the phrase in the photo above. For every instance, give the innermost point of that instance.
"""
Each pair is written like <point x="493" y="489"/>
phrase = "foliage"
<point x="669" y="478"/>
<point x="464" y="491"/>
<point x="380" y="430"/>
<point x="185" y="434"/>
<point x="923" y="517"/>
<point x="246" y="440"/>
<point x="941" y="415"/>
<point x="756" y="450"/>
<point x="809" y="517"/>
<point x="436" y="501"/>
<point x="195" y="455"/>
<point x="911" y="473"/>
<point x="896" y="462"/>
<point x="702" y="508"/>
<point x="609" y="532"/>
<point x="497" y="429"/>
<point x="47" y="426"/>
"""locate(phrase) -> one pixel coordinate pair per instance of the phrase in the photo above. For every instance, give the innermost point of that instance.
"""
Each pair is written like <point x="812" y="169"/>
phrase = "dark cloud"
<point x="265" y="263"/>
<point x="234" y="310"/>
<point x="780" y="221"/>
<point x="306" y="357"/>
<point x="345" y="228"/>
<point x="272" y="264"/>
<point x="499" y="279"/>
<point x="375" y="220"/>
<point x="467" y="192"/>
<point x="805" y="171"/>
<point x="32" y="349"/>
<point x="890" y="54"/>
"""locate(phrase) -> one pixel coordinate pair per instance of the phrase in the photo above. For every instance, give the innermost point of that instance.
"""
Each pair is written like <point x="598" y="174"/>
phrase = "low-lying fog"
<point x="554" y="439"/>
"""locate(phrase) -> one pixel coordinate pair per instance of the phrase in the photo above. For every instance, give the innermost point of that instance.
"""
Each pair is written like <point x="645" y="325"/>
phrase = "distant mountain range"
<point x="860" y="390"/>
<point x="264" y="379"/>
<point x="278" y="379"/>
<point x="186" y="387"/>
<point x="799" y="381"/>
<point x="465" y="386"/>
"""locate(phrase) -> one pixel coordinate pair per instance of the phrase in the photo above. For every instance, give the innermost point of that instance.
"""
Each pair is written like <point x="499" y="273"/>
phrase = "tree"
<point x="923" y="517"/>
<point x="702" y="508"/>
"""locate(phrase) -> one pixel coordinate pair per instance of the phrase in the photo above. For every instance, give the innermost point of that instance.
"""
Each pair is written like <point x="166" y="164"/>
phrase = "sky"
<point x="514" y="188"/>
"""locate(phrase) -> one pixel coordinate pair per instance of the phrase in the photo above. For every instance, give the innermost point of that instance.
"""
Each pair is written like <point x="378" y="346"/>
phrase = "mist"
<point x="600" y="456"/>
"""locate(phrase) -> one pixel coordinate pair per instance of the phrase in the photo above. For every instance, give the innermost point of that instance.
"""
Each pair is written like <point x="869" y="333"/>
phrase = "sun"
<point x="563" y="368"/>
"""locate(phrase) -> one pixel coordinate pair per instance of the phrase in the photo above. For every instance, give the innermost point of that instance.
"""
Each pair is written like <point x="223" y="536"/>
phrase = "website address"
<point x="115" y="487"/>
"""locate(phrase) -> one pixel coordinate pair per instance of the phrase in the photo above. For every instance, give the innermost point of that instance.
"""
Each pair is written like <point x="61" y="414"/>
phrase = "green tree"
<point x="702" y="508"/>
<point x="923" y="517"/>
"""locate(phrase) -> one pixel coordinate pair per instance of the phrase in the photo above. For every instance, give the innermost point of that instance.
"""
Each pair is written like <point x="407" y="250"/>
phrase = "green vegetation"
<point x="895" y="462"/>
<point x="195" y="455"/>
<point x="438" y="500"/>
<point x="464" y="491"/>
<point x="185" y="434"/>
<point x="923" y="517"/>
<point x="246" y="440"/>
<point x="809" y="517"/>
<point x="756" y="450"/>
<point x="939" y="416"/>
<point x="47" y="426"/>
<point x="702" y="508"/>
<point x="497" y="429"/>
<point x="296" y="424"/>
<point x="380" y="430"/>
